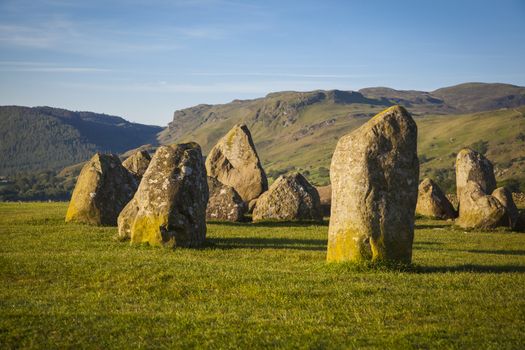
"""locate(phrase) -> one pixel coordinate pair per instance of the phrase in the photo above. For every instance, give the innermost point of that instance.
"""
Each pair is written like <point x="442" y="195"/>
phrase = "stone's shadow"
<point x="270" y="223"/>
<point x="498" y="251"/>
<point x="427" y="243"/>
<point x="467" y="268"/>
<point x="430" y="226"/>
<point x="266" y="243"/>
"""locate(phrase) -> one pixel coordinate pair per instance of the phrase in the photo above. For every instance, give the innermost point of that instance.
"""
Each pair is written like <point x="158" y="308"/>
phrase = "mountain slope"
<point x="42" y="138"/>
<point x="300" y="129"/>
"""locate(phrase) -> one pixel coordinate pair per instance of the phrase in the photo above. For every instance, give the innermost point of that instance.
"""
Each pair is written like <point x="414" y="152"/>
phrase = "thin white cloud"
<point x="256" y="87"/>
<point x="285" y="75"/>
<point x="57" y="70"/>
<point x="46" y="67"/>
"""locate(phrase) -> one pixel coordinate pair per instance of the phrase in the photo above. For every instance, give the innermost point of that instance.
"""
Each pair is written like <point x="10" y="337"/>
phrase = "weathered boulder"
<point x="137" y="163"/>
<point x="431" y="201"/>
<point x="234" y="162"/>
<point x="290" y="197"/>
<point x="479" y="210"/>
<point x="504" y="196"/>
<point x="473" y="166"/>
<point x="325" y="195"/>
<point x="374" y="176"/>
<point x="169" y="207"/>
<point x="102" y="190"/>
<point x="224" y="202"/>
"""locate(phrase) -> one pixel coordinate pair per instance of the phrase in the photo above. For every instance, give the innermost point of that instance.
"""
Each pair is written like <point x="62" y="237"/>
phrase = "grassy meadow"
<point x="253" y="286"/>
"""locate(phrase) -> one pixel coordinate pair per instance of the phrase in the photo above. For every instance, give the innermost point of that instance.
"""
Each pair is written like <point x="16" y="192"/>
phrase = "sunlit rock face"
<point x="374" y="176"/>
<point x="432" y="202"/>
<point x="102" y="190"/>
<point x="169" y="207"/>
<point x="137" y="163"/>
<point x="234" y="162"/>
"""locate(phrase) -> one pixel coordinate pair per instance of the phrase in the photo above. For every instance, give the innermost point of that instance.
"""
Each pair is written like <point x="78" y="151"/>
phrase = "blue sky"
<point x="144" y="59"/>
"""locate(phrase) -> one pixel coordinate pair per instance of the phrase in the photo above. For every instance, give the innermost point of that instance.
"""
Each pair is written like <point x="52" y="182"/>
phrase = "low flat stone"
<point x="478" y="210"/>
<point x="290" y="197"/>
<point x="224" y="202"/>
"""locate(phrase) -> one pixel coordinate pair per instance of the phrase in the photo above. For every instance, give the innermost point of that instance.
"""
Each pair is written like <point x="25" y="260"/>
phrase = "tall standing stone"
<point x="137" y="163"/>
<point x="374" y="176"/>
<point x="169" y="207"/>
<point x="102" y="190"/>
<point x="291" y="197"/>
<point x="475" y="182"/>
<point x="431" y="201"/>
<point x="234" y="162"/>
<point x="473" y="166"/>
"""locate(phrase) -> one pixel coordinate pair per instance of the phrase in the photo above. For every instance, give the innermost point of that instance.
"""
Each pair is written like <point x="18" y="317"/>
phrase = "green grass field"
<point x="253" y="286"/>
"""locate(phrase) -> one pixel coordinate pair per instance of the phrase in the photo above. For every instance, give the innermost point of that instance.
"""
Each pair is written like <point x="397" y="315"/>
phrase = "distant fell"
<point x="299" y="130"/>
<point x="42" y="138"/>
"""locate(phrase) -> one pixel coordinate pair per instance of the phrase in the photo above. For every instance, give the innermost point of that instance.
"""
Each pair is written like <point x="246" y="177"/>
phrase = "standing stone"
<point x="234" y="162"/>
<point x="224" y="202"/>
<point x="431" y="201"/>
<point x="478" y="210"/>
<point x="103" y="188"/>
<point x="137" y="163"/>
<point x="473" y="166"/>
<point x="374" y="176"/>
<point x="291" y="197"/>
<point x="504" y="196"/>
<point x="169" y="208"/>
<point x="475" y="182"/>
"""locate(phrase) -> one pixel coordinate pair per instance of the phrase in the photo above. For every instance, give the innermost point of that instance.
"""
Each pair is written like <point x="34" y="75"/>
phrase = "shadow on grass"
<point x="431" y="226"/>
<point x="270" y="223"/>
<point x="498" y="251"/>
<point x="266" y="243"/>
<point x="427" y="243"/>
<point x="386" y="266"/>
<point x="467" y="268"/>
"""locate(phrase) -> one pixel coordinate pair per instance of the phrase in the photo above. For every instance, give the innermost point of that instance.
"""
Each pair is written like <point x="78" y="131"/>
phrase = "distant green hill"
<point x="292" y="130"/>
<point x="45" y="138"/>
<point x="300" y="129"/>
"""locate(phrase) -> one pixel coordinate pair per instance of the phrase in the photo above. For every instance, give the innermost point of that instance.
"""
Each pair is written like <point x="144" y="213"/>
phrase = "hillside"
<point x="301" y="129"/>
<point x="45" y="138"/>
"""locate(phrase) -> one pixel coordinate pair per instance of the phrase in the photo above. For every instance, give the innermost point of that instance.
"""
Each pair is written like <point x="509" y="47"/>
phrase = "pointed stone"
<point x="102" y="190"/>
<point x="169" y="207"/>
<point x="374" y="176"/>
<point x="432" y="202"/>
<point x="291" y="197"/>
<point x="137" y="163"/>
<point x="234" y="162"/>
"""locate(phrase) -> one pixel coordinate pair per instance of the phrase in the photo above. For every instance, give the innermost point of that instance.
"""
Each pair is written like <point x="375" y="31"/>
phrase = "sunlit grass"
<point x="252" y="286"/>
